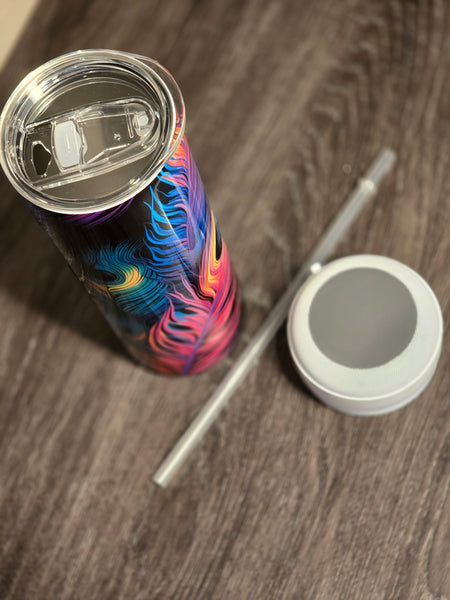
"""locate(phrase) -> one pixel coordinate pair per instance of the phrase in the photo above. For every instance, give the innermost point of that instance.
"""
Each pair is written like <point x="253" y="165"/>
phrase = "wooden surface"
<point x="14" y="16"/>
<point x="287" y="104"/>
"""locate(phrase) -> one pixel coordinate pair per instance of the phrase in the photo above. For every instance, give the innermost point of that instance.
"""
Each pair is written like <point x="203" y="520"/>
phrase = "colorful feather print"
<point x="158" y="270"/>
<point x="124" y="277"/>
<point x="198" y="326"/>
<point x="175" y="236"/>
<point x="195" y="331"/>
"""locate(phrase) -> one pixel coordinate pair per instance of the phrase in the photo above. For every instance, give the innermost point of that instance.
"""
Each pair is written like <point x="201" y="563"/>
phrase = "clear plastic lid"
<point x="90" y="129"/>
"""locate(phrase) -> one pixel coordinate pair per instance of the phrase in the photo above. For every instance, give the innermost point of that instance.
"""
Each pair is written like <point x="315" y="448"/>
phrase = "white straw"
<point x="365" y="189"/>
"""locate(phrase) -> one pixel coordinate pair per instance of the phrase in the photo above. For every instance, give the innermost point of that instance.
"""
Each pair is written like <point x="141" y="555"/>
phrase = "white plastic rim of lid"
<point x="365" y="333"/>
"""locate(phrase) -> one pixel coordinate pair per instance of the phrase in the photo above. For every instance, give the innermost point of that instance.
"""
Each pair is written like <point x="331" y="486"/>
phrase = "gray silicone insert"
<point x="362" y="318"/>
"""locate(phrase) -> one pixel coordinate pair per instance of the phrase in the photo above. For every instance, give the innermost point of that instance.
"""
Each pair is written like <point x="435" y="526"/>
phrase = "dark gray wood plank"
<point x="287" y="104"/>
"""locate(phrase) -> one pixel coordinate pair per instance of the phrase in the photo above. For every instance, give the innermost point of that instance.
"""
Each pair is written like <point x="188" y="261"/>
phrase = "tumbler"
<point x="94" y="141"/>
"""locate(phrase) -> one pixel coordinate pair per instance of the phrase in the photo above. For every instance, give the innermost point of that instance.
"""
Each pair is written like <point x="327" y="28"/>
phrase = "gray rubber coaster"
<point x="362" y="318"/>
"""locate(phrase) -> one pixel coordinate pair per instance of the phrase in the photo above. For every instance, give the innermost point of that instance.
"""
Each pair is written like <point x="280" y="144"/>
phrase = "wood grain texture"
<point x="287" y="104"/>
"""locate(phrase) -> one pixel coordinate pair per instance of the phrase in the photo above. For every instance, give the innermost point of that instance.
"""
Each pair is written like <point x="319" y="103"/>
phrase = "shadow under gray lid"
<point x="362" y="318"/>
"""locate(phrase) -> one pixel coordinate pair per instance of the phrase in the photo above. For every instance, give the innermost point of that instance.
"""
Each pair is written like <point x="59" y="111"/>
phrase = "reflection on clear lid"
<point x="90" y="129"/>
<point x="89" y="141"/>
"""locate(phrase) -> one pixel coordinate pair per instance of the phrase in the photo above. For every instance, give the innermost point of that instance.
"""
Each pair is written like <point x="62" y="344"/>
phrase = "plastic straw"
<point x="365" y="189"/>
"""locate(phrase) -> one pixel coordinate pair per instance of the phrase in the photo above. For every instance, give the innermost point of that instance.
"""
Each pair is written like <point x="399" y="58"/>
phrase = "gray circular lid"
<point x="365" y="333"/>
